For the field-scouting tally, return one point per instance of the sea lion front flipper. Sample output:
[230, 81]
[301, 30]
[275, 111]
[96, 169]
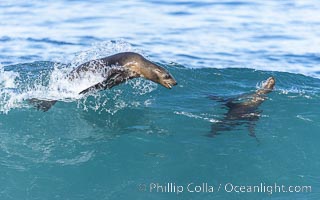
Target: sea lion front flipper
[220, 99]
[98, 86]
[228, 102]
[115, 78]
[231, 104]
[43, 105]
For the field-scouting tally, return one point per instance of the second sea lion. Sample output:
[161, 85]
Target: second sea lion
[243, 110]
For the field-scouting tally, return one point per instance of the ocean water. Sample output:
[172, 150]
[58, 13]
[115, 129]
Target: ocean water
[140, 140]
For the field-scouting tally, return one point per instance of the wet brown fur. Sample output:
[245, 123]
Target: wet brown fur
[124, 66]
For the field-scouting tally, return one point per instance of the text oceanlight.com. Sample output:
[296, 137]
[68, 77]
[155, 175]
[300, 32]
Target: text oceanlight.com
[226, 187]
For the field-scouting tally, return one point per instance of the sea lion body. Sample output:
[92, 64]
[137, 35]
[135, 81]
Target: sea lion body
[115, 69]
[121, 67]
[243, 112]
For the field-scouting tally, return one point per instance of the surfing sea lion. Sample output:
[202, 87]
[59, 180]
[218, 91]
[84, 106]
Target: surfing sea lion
[243, 110]
[116, 69]
[121, 67]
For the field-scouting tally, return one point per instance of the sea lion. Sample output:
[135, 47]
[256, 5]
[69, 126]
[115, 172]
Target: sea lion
[121, 67]
[243, 110]
[116, 69]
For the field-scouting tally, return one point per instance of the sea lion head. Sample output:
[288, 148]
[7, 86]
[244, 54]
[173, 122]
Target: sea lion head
[267, 86]
[142, 67]
[160, 75]
[269, 83]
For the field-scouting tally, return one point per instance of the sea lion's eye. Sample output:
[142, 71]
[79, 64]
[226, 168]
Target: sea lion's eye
[167, 76]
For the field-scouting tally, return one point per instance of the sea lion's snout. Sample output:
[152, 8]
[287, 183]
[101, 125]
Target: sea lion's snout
[165, 78]
[168, 81]
[269, 84]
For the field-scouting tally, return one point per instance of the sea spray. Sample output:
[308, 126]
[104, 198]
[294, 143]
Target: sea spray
[50, 81]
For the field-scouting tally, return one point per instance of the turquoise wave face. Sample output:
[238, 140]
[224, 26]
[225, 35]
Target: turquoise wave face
[140, 133]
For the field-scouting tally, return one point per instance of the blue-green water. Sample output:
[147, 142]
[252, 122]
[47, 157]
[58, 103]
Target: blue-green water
[116, 144]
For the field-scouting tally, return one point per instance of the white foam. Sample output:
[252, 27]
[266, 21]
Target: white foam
[196, 116]
[295, 92]
[8, 99]
[60, 87]
[304, 118]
